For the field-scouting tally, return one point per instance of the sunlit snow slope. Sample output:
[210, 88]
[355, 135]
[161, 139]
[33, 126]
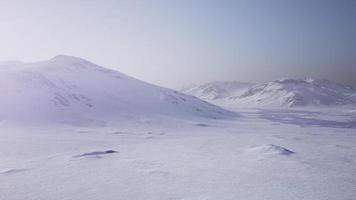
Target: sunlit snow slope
[72, 89]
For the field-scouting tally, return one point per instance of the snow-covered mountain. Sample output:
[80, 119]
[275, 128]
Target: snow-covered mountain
[72, 89]
[296, 93]
[278, 93]
[216, 90]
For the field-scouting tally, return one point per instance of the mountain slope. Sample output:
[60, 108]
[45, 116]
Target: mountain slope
[69, 88]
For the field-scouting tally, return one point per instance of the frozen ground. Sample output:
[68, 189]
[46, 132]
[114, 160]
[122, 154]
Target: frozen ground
[262, 154]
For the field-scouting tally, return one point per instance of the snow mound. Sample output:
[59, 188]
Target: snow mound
[216, 90]
[297, 93]
[270, 149]
[73, 90]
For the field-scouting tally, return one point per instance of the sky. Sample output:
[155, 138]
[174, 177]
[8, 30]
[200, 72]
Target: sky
[174, 43]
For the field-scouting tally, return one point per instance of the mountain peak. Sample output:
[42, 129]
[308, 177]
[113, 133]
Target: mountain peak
[73, 63]
[62, 57]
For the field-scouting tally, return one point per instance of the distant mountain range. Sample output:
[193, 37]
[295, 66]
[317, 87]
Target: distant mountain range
[278, 93]
[216, 90]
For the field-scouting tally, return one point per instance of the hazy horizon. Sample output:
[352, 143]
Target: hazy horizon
[177, 43]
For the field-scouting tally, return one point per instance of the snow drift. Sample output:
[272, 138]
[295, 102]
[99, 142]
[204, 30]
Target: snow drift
[69, 88]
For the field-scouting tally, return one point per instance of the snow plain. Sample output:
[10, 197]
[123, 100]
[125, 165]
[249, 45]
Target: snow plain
[257, 153]
[262, 154]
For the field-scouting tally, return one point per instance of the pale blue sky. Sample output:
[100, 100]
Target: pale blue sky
[175, 43]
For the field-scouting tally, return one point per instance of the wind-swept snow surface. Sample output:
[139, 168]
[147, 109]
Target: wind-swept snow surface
[265, 154]
[73, 90]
